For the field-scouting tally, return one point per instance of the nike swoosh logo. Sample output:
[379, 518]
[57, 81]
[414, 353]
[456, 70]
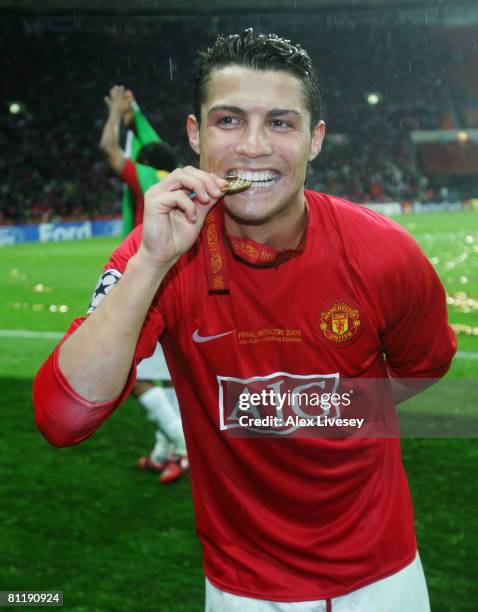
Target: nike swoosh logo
[199, 338]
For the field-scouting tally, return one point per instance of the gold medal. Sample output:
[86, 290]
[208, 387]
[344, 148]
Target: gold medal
[235, 185]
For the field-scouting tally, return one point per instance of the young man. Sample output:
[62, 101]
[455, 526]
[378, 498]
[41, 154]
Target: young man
[270, 290]
[149, 161]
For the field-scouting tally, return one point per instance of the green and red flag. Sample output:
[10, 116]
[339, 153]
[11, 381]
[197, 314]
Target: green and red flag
[147, 176]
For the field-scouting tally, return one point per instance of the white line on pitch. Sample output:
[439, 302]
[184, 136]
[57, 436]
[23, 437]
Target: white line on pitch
[25, 333]
[466, 355]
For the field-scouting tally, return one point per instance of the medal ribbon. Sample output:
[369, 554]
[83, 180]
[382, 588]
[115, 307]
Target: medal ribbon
[252, 253]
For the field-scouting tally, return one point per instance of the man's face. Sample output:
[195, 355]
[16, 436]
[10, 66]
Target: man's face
[255, 125]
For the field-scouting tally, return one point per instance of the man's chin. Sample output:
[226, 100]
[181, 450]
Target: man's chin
[246, 215]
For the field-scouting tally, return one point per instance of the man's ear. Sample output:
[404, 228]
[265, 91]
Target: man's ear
[192, 127]
[318, 136]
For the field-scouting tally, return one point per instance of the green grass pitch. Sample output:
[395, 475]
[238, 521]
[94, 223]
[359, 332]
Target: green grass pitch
[85, 521]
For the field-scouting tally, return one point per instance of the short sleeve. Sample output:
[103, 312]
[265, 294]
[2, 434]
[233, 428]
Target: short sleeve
[154, 323]
[62, 415]
[416, 337]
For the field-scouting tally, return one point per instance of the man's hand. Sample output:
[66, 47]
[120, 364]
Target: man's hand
[172, 219]
[119, 102]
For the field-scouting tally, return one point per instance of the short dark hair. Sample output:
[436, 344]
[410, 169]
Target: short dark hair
[259, 52]
[159, 155]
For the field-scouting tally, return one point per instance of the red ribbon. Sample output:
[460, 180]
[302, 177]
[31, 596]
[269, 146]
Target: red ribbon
[215, 240]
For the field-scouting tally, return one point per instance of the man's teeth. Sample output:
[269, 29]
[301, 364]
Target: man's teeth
[256, 177]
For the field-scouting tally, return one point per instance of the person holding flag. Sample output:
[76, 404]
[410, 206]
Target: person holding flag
[146, 161]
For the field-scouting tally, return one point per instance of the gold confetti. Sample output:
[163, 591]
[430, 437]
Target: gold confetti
[466, 330]
[462, 301]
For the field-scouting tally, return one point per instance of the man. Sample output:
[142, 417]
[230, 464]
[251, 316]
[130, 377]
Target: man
[270, 289]
[150, 161]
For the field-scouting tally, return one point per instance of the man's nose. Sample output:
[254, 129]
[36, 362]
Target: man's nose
[254, 142]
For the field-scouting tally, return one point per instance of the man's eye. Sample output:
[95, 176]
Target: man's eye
[227, 121]
[281, 124]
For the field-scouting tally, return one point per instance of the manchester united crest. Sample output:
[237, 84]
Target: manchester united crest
[340, 323]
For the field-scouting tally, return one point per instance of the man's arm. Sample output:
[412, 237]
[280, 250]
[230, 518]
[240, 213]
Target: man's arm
[402, 391]
[118, 105]
[82, 382]
[417, 340]
[96, 359]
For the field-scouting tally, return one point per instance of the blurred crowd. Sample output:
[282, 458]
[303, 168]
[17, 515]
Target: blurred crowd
[59, 72]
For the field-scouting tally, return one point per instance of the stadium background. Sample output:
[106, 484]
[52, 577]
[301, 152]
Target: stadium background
[83, 520]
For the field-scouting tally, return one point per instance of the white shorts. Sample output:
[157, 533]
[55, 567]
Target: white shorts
[154, 368]
[404, 591]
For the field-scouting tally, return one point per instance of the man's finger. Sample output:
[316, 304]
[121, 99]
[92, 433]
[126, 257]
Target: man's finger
[212, 182]
[199, 183]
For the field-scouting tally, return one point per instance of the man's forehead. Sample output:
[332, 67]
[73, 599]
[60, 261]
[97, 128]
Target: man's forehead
[254, 90]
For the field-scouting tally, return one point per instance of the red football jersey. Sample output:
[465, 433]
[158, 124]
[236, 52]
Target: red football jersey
[286, 518]
[129, 175]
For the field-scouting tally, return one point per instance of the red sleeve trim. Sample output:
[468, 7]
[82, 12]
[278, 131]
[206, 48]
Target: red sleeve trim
[62, 415]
